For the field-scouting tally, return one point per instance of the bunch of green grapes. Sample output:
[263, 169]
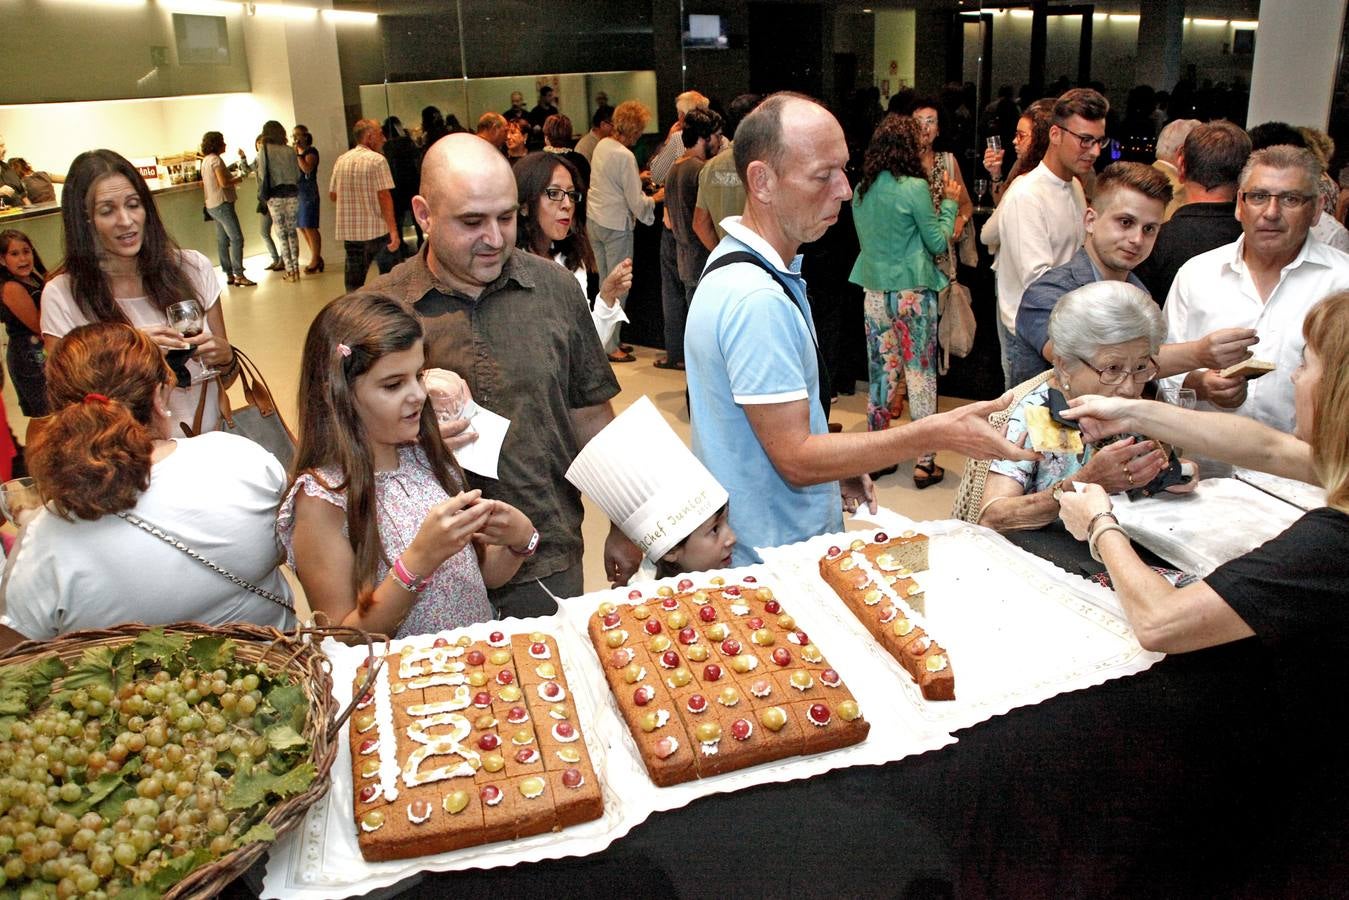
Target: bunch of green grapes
[104, 791]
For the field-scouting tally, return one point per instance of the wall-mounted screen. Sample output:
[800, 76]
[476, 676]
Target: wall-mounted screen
[202, 40]
[706, 31]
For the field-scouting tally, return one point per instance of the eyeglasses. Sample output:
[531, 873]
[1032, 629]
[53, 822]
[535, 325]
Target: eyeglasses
[1289, 200]
[1113, 375]
[1087, 141]
[556, 194]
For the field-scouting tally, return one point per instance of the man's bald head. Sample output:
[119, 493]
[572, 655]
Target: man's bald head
[766, 134]
[463, 157]
[467, 208]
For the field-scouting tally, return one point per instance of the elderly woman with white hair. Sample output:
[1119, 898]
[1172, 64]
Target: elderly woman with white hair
[1105, 336]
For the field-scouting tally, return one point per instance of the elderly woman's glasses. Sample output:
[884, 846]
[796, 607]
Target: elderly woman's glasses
[1113, 375]
[556, 194]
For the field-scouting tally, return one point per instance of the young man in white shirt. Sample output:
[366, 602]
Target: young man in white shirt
[1040, 218]
[1267, 279]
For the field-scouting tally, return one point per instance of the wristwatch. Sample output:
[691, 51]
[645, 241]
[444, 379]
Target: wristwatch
[530, 548]
[1057, 492]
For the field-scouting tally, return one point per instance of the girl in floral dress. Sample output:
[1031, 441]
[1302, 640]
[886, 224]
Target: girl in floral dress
[376, 523]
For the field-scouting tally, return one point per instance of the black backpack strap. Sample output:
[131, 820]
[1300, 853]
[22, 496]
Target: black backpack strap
[822, 367]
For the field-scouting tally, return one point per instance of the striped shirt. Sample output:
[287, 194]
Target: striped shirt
[358, 177]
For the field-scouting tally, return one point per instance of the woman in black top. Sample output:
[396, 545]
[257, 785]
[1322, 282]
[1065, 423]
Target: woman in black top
[21, 277]
[1283, 608]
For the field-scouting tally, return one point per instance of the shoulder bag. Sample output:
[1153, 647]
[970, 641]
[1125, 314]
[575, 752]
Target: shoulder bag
[955, 319]
[258, 419]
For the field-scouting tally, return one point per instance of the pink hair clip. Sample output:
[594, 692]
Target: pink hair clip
[344, 349]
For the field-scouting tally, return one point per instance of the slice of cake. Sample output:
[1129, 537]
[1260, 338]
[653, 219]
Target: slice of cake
[873, 579]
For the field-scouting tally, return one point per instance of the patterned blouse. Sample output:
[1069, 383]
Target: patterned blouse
[1037, 476]
[455, 595]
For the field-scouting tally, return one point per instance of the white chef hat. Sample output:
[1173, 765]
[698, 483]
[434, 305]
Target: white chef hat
[645, 479]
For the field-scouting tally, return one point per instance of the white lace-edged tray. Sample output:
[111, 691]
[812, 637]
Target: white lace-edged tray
[1018, 629]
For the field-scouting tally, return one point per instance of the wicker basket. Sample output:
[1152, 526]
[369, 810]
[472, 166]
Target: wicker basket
[296, 653]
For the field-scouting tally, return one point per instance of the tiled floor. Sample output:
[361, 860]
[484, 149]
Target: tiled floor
[270, 321]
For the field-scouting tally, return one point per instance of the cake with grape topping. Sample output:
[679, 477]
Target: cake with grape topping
[718, 679]
[873, 578]
[463, 743]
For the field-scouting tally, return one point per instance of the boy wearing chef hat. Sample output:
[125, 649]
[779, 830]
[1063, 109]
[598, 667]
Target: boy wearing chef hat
[650, 484]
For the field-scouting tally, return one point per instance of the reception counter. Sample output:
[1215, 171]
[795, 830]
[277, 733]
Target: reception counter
[180, 207]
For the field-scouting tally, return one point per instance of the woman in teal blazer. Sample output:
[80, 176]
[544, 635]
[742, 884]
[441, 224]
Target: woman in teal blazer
[899, 231]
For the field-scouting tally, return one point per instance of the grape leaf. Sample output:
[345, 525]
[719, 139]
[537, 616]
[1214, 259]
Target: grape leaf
[111, 807]
[288, 700]
[259, 832]
[108, 666]
[167, 875]
[254, 786]
[154, 646]
[102, 788]
[211, 653]
[283, 737]
[24, 687]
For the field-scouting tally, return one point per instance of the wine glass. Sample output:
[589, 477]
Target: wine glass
[20, 500]
[187, 318]
[981, 189]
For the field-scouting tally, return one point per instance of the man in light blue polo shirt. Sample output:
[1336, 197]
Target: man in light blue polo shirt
[754, 387]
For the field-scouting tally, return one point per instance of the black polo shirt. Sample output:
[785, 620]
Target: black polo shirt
[1193, 229]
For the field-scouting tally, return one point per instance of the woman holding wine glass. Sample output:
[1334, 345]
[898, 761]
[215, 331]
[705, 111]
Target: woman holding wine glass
[121, 266]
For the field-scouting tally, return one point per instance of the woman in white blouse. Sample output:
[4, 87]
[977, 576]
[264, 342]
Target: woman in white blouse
[122, 266]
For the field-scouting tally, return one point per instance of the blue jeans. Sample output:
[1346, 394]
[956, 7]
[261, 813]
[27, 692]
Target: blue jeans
[611, 247]
[229, 238]
[674, 297]
[265, 219]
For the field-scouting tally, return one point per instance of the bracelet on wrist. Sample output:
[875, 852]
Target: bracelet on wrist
[1094, 540]
[1091, 525]
[406, 580]
[530, 548]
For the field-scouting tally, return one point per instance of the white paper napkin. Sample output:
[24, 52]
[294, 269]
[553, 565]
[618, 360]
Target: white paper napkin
[481, 456]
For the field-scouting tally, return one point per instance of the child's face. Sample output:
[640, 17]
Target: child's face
[708, 547]
[19, 259]
[389, 397]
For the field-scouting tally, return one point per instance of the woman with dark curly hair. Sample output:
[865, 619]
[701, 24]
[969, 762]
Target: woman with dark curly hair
[900, 233]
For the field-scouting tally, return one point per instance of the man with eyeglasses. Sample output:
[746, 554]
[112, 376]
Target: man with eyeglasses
[1040, 218]
[1267, 279]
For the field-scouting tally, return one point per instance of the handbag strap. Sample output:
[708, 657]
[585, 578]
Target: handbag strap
[226, 573]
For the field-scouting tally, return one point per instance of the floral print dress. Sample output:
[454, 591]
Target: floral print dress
[455, 595]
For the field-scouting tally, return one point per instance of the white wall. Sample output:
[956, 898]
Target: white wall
[894, 44]
[1296, 56]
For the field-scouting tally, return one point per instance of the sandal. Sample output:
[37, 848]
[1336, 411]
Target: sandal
[626, 348]
[619, 356]
[881, 473]
[933, 474]
[666, 364]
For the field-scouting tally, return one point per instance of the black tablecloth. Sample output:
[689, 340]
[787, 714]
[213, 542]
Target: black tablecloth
[1175, 782]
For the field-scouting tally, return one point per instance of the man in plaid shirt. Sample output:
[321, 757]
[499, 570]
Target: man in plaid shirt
[361, 187]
